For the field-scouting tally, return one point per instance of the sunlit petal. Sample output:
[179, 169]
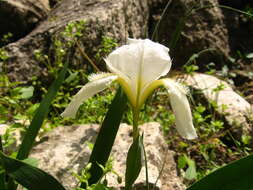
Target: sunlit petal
[156, 61]
[124, 61]
[181, 109]
[99, 82]
[148, 90]
[139, 63]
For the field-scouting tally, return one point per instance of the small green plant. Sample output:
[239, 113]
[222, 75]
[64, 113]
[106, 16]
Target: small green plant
[76, 76]
[191, 65]
[8, 138]
[16, 107]
[190, 68]
[183, 162]
[107, 45]
[102, 182]
[249, 10]
[3, 55]
[6, 38]
[217, 144]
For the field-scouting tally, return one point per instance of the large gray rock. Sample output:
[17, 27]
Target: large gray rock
[117, 19]
[65, 150]
[203, 29]
[206, 28]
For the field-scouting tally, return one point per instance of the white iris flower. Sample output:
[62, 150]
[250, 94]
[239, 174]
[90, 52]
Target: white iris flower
[137, 67]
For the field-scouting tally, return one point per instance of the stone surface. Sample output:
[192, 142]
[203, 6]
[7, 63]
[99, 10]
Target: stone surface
[241, 28]
[213, 27]
[203, 29]
[65, 150]
[19, 17]
[116, 19]
[237, 108]
[206, 28]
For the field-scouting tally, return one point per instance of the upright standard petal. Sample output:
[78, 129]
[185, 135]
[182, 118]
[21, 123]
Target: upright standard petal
[99, 82]
[156, 61]
[181, 109]
[139, 63]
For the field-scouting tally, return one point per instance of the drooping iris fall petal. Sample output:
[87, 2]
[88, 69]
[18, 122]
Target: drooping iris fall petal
[181, 109]
[99, 83]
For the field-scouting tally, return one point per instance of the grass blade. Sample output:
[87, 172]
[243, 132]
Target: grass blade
[155, 32]
[28, 176]
[106, 136]
[40, 115]
[177, 33]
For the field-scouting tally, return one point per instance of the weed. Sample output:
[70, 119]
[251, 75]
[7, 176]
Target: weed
[6, 38]
[102, 183]
[107, 45]
[190, 68]
[249, 10]
[190, 172]
[216, 145]
[3, 55]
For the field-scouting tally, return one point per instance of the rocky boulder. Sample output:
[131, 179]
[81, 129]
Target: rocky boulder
[200, 30]
[115, 19]
[64, 150]
[208, 28]
[230, 104]
[19, 17]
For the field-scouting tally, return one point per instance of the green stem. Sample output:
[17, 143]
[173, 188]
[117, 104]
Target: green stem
[136, 113]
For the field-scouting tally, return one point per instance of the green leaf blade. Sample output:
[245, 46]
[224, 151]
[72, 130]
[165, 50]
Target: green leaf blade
[235, 176]
[28, 176]
[106, 136]
[40, 115]
[134, 162]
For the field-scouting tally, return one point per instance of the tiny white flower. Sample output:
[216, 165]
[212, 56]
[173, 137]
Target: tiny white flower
[137, 67]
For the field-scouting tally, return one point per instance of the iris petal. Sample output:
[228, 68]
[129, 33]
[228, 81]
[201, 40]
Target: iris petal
[139, 63]
[181, 109]
[99, 83]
